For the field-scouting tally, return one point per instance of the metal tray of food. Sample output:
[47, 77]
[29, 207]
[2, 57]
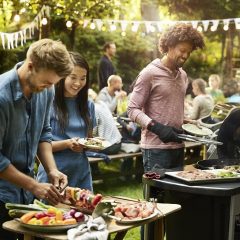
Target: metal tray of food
[205, 176]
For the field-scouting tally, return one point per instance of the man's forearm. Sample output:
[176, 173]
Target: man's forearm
[45, 155]
[14, 176]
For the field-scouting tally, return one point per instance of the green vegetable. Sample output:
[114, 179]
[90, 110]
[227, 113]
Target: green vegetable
[17, 213]
[228, 174]
[22, 207]
[41, 204]
[45, 206]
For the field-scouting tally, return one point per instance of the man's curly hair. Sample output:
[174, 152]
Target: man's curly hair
[180, 32]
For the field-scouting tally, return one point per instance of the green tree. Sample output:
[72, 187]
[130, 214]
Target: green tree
[216, 9]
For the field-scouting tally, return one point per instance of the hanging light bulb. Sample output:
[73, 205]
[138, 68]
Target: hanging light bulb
[113, 27]
[152, 29]
[134, 27]
[225, 27]
[104, 28]
[214, 25]
[69, 24]
[44, 21]
[123, 34]
[199, 28]
[92, 25]
[23, 10]
[16, 18]
[226, 24]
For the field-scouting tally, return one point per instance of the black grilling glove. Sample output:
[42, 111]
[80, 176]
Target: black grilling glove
[165, 133]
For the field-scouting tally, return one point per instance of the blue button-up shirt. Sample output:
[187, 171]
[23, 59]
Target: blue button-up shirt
[23, 124]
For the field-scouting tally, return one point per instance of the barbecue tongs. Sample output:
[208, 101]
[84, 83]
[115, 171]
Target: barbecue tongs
[198, 139]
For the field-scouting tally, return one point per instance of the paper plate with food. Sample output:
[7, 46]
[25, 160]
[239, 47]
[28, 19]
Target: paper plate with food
[197, 130]
[94, 143]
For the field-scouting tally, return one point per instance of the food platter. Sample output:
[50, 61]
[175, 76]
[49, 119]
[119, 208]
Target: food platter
[221, 175]
[48, 228]
[194, 129]
[94, 143]
[136, 220]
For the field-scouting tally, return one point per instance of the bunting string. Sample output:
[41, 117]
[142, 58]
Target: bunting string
[159, 26]
[14, 39]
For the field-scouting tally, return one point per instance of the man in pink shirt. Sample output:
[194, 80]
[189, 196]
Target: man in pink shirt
[157, 100]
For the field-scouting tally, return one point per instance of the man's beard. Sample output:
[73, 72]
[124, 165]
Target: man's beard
[31, 86]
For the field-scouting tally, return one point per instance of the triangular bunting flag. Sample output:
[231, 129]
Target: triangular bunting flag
[3, 40]
[194, 24]
[99, 24]
[205, 24]
[123, 25]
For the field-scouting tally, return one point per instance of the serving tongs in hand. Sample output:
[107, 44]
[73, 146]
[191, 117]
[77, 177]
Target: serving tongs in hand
[198, 139]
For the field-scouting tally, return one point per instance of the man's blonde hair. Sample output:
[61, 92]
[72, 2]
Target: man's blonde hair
[51, 55]
[215, 77]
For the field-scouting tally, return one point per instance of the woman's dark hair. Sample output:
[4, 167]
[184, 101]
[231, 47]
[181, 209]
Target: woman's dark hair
[81, 99]
[180, 32]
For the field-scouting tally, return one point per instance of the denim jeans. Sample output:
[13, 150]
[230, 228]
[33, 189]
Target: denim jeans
[169, 159]
[172, 159]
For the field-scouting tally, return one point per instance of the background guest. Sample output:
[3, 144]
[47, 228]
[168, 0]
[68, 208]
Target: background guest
[202, 104]
[214, 90]
[106, 67]
[112, 93]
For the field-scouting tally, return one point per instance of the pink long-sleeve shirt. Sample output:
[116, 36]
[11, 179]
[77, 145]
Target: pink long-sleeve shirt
[158, 95]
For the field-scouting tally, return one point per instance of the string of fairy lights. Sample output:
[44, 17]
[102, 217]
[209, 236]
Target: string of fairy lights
[13, 39]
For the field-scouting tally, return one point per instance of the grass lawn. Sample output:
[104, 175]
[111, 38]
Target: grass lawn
[112, 185]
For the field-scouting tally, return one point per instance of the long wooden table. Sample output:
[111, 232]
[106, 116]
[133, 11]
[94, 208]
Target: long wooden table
[113, 227]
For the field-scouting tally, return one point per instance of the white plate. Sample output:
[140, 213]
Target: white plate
[194, 129]
[131, 221]
[87, 143]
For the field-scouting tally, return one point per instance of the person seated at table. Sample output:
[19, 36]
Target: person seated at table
[202, 104]
[106, 128]
[214, 90]
[112, 93]
[72, 117]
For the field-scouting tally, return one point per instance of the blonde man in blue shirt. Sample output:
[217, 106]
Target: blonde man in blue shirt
[26, 94]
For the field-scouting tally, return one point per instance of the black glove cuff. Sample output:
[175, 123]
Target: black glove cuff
[151, 125]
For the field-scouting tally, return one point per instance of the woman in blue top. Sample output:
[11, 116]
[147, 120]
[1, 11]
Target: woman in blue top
[73, 117]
